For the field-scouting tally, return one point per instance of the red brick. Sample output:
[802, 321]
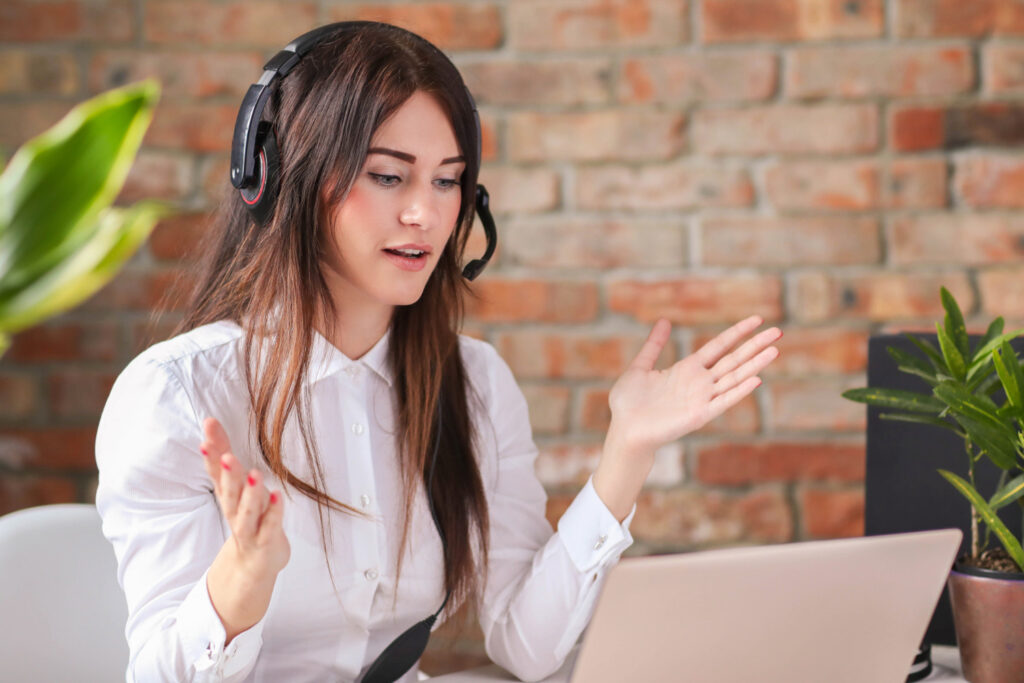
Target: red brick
[596, 415]
[516, 190]
[881, 296]
[785, 20]
[568, 464]
[901, 71]
[181, 74]
[68, 448]
[227, 24]
[787, 129]
[64, 20]
[813, 351]
[78, 392]
[606, 135]
[65, 341]
[831, 513]
[549, 407]
[24, 72]
[765, 241]
[138, 290]
[508, 300]
[916, 128]
[814, 404]
[679, 518]
[586, 24]
[1003, 68]
[699, 299]
[157, 175]
[934, 18]
[179, 236]
[990, 180]
[519, 82]
[491, 141]
[742, 418]
[1002, 292]
[663, 186]
[569, 242]
[836, 185]
[158, 328]
[704, 77]
[18, 492]
[450, 26]
[20, 121]
[735, 464]
[573, 355]
[954, 239]
[916, 184]
[198, 127]
[19, 395]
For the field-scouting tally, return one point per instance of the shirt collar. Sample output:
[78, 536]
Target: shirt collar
[326, 359]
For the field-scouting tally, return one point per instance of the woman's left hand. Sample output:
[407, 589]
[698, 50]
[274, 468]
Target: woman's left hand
[651, 407]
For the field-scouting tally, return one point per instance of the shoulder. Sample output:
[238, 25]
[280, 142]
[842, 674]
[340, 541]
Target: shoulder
[212, 350]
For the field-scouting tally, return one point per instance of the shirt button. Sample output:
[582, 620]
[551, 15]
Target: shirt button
[357, 429]
[365, 500]
[600, 542]
[352, 371]
[370, 574]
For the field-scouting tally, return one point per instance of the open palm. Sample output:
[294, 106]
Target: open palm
[655, 407]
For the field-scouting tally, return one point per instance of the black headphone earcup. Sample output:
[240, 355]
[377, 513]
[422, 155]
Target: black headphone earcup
[260, 197]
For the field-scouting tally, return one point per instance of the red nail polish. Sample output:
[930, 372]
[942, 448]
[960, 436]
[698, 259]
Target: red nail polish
[273, 497]
[225, 465]
[251, 479]
[204, 451]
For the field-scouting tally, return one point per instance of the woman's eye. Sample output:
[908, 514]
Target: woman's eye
[446, 183]
[384, 179]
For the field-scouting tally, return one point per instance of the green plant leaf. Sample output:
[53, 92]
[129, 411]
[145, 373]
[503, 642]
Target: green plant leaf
[931, 353]
[995, 328]
[913, 365]
[954, 359]
[57, 183]
[895, 398]
[1010, 374]
[984, 353]
[955, 327]
[1009, 541]
[118, 234]
[979, 416]
[921, 418]
[1013, 490]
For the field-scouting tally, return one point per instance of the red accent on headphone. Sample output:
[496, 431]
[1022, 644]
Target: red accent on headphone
[263, 179]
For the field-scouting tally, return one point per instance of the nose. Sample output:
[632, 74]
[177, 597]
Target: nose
[419, 209]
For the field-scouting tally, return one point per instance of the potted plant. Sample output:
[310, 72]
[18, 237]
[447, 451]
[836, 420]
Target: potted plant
[60, 238]
[978, 393]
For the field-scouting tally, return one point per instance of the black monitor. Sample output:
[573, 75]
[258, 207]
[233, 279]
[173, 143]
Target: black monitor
[903, 490]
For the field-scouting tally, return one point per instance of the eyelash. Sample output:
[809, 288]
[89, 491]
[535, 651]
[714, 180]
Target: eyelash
[386, 180]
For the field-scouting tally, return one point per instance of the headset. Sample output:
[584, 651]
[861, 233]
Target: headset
[255, 173]
[255, 162]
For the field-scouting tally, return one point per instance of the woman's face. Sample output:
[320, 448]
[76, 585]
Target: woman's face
[388, 234]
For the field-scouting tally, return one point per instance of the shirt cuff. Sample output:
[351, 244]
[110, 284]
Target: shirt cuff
[204, 635]
[590, 533]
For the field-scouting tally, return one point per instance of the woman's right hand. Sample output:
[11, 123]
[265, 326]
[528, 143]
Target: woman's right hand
[241, 578]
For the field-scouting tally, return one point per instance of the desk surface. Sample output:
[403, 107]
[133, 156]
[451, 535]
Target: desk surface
[945, 660]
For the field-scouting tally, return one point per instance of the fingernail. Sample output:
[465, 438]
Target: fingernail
[225, 465]
[273, 497]
[204, 451]
[251, 479]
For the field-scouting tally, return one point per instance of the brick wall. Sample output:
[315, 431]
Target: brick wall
[827, 164]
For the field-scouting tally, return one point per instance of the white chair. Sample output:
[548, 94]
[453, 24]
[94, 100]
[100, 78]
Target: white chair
[62, 612]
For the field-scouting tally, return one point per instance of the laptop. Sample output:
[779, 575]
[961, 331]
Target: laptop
[844, 611]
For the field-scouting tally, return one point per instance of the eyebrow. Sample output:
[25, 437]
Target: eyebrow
[405, 156]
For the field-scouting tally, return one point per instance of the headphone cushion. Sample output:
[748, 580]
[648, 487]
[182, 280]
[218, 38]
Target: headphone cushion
[261, 196]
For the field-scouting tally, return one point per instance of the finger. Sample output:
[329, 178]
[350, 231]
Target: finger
[709, 354]
[251, 504]
[270, 522]
[651, 349]
[212, 464]
[216, 437]
[752, 367]
[748, 350]
[230, 485]
[723, 402]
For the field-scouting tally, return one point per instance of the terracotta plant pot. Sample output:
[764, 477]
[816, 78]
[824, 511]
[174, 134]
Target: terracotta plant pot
[988, 612]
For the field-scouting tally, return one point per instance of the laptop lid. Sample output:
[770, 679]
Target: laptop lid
[844, 611]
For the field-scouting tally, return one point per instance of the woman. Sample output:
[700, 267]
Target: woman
[319, 369]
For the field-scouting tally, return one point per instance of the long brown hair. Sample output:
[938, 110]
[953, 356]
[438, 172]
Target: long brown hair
[270, 280]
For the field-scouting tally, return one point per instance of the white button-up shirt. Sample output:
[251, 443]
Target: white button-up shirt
[162, 518]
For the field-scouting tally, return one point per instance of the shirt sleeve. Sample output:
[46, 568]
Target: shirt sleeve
[159, 512]
[541, 585]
